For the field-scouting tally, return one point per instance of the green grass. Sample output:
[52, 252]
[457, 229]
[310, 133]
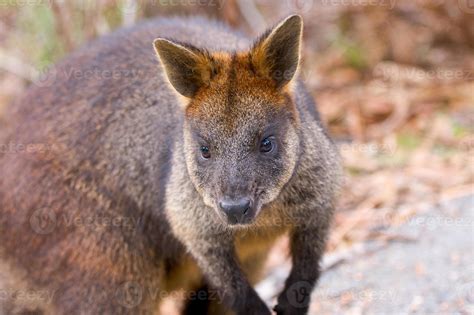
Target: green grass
[37, 36]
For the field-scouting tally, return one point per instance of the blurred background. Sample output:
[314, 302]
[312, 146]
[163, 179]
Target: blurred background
[394, 81]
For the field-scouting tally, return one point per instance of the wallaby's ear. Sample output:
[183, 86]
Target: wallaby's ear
[186, 67]
[277, 53]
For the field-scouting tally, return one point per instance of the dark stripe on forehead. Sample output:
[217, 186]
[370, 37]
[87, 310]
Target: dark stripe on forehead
[231, 80]
[250, 63]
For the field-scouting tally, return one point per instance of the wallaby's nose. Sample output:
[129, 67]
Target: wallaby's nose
[237, 210]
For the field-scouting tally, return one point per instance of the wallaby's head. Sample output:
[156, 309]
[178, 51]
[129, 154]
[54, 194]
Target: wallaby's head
[241, 128]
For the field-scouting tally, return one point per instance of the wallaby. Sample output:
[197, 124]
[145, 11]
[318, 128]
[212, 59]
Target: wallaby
[166, 156]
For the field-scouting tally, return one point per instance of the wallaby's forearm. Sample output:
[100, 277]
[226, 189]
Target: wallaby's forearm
[221, 269]
[307, 241]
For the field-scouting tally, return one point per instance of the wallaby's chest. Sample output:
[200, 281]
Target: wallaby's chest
[252, 247]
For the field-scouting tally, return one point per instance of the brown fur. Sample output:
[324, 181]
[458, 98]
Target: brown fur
[124, 148]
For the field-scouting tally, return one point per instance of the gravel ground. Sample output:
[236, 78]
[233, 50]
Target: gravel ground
[432, 274]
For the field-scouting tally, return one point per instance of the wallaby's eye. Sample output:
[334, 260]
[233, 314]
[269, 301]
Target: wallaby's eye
[205, 152]
[267, 145]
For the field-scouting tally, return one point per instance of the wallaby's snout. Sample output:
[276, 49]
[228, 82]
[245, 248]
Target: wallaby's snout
[236, 198]
[237, 210]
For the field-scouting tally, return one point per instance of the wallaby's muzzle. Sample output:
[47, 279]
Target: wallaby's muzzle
[237, 211]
